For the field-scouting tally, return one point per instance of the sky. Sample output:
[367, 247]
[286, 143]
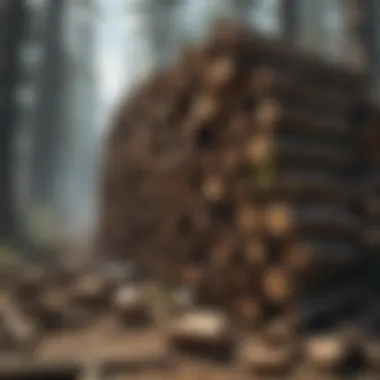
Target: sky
[109, 51]
[122, 54]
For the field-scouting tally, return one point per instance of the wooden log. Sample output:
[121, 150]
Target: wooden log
[213, 189]
[255, 252]
[201, 326]
[259, 356]
[23, 332]
[371, 351]
[37, 369]
[30, 282]
[228, 36]
[205, 108]
[274, 52]
[270, 115]
[280, 330]
[219, 72]
[192, 275]
[222, 251]
[278, 286]
[249, 311]
[263, 148]
[90, 288]
[52, 307]
[248, 218]
[313, 257]
[284, 219]
[329, 351]
[266, 81]
[294, 183]
[130, 305]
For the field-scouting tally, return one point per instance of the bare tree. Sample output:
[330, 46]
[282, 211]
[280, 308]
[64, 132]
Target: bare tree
[12, 25]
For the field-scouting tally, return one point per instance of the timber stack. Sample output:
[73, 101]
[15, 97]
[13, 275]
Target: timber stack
[232, 175]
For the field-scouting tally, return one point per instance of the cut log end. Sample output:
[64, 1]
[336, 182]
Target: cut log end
[279, 219]
[259, 150]
[325, 352]
[277, 285]
[267, 114]
[213, 189]
[202, 326]
[257, 355]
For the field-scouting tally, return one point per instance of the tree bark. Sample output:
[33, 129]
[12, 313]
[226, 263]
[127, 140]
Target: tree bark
[13, 27]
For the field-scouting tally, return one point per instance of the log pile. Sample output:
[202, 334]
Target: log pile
[40, 303]
[231, 174]
[42, 300]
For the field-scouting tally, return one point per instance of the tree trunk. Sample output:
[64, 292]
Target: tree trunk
[13, 26]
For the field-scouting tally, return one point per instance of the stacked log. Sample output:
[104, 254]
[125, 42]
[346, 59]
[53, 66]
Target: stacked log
[230, 174]
[40, 300]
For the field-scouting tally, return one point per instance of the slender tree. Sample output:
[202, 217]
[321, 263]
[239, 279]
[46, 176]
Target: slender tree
[12, 27]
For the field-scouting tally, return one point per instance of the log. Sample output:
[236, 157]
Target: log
[270, 116]
[248, 218]
[90, 288]
[328, 351]
[371, 351]
[264, 148]
[258, 356]
[23, 332]
[205, 108]
[213, 189]
[219, 72]
[52, 307]
[204, 326]
[249, 311]
[192, 275]
[222, 251]
[130, 305]
[280, 330]
[313, 257]
[311, 184]
[265, 81]
[284, 219]
[278, 286]
[255, 252]
[230, 37]
[30, 282]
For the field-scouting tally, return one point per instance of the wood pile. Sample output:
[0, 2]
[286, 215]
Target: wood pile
[236, 175]
[56, 309]
[42, 300]
[231, 174]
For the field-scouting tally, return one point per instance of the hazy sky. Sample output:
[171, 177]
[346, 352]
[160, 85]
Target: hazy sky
[109, 52]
